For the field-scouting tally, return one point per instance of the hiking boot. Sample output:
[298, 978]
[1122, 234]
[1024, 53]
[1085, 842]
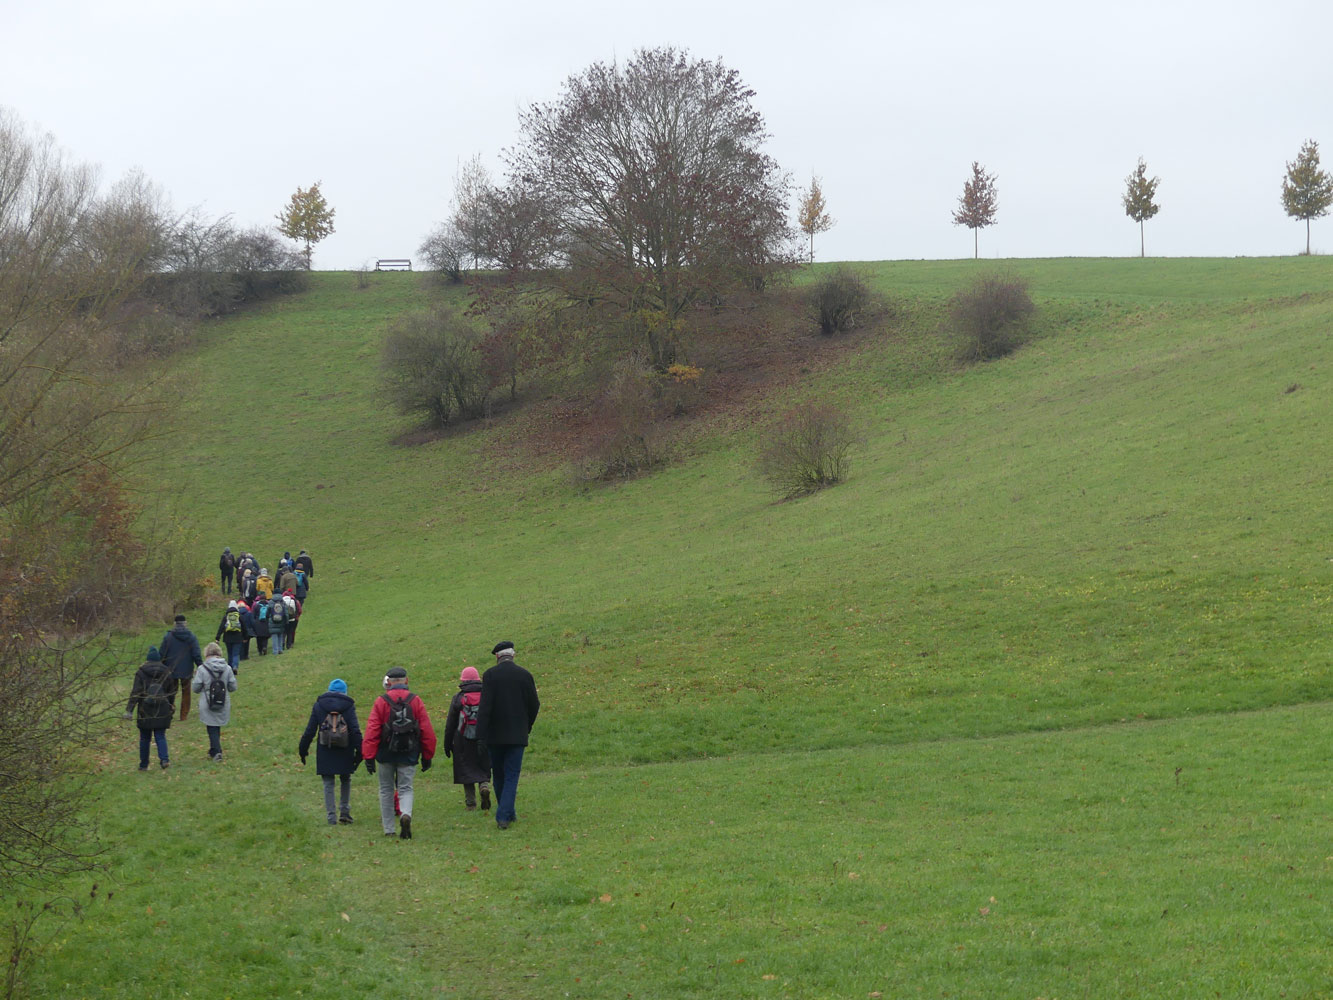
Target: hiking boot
[485, 798]
[143, 767]
[405, 825]
[333, 821]
[503, 824]
[165, 764]
[345, 819]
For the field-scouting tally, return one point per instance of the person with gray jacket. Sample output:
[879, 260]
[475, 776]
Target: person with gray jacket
[214, 682]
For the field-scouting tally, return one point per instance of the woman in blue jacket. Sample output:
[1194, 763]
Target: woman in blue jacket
[338, 750]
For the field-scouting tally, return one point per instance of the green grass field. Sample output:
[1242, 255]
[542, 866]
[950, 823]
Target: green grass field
[1032, 706]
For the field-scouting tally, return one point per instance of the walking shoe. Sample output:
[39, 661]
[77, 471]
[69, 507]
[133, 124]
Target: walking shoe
[165, 764]
[143, 767]
[485, 799]
[346, 819]
[405, 822]
[333, 821]
[503, 824]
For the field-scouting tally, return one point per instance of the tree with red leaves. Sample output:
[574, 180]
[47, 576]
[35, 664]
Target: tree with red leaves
[977, 204]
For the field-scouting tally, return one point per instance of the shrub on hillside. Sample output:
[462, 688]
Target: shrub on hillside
[807, 450]
[837, 300]
[432, 366]
[991, 318]
[626, 436]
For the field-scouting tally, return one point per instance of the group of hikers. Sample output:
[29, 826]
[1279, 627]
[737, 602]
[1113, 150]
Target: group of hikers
[486, 730]
[256, 613]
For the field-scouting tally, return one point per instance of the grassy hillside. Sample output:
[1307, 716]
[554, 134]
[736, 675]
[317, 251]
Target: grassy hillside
[890, 739]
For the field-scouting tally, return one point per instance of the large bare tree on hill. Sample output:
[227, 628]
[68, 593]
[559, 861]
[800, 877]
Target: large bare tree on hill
[659, 189]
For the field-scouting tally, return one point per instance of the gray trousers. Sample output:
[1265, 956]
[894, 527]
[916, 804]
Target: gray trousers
[346, 781]
[393, 776]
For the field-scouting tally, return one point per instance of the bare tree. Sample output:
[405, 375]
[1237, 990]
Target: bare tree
[1138, 198]
[655, 176]
[813, 217]
[977, 204]
[1307, 191]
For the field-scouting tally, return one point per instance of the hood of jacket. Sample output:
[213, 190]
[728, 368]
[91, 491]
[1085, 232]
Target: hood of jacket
[335, 701]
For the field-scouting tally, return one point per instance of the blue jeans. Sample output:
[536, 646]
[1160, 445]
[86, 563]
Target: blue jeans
[148, 736]
[506, 763]
[214, 739]
[233, 655]
[275, 640]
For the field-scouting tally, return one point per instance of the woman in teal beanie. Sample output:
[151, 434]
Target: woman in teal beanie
[333, 721]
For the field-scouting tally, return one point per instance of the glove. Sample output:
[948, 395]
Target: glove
[303, 760]
[448, 752]
[426, 762]
[370, 767]
[128, 715]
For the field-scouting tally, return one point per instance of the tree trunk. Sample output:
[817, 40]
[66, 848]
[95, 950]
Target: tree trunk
[1140, 237]
[812, 248]
[1307, 237]
[975, 244]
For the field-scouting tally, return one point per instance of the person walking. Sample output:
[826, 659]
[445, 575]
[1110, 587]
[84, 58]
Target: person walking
[333, 721]
[398, 733]
[277, 623]
[215, 681]
[227, 569]
[505, 716]
[154, 694]
[286, 580]
[259, 624]
[306, 565]
[180, 652]
[247, 629]
[264, 583]
[293, 616]
[231, 630]
[472, 764]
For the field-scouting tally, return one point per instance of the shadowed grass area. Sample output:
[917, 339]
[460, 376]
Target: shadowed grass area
[815, 738]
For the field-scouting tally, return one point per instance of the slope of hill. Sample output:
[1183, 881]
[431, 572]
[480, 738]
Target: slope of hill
[838, 696]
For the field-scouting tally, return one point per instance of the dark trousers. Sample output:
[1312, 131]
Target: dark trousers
[227, 574]
[263, 644]
[148, 737]
[214, 739]
[506, 763]
[290, 640]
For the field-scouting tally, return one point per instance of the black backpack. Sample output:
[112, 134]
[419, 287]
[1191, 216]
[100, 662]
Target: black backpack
[277, 612]
[333, 731]
[155, 705]
[217, 690]
[404, 733]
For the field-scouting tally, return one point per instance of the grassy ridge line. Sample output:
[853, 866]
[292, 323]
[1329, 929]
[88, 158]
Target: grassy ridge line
[1145, 859]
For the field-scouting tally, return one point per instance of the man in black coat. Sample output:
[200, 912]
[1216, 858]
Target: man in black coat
[180, 652]
[505, 716]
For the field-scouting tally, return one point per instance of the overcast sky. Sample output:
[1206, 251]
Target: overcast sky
[230, 107]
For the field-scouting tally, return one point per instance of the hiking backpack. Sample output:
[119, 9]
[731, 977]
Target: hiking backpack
[333, 731]
[402, 727]
[233, 622]
[467, 720]
[277, 612]
[217, 690]
[155, 704]
[263, 611]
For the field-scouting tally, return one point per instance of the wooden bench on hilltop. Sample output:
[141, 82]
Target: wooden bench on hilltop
[393, 264]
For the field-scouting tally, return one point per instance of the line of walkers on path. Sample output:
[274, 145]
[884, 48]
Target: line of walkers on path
[251, 579]
[486, 733]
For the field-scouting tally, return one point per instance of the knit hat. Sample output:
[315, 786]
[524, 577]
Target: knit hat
[153, 654]
[231, 605]
[469, 674]
[501, 647]
[180, 619]
[339, 685]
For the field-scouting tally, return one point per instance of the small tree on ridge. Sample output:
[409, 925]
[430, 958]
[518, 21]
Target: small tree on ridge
[1307, 191]
[1138, 197]
[977, 204]
[813, 218]
[306, 219]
